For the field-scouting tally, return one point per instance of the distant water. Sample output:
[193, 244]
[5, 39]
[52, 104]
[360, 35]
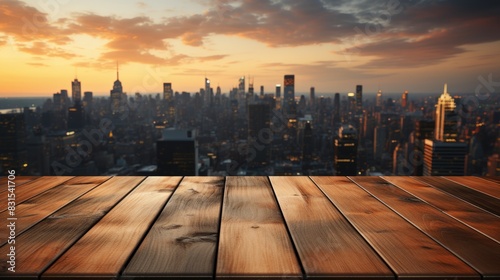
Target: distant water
[18, 103]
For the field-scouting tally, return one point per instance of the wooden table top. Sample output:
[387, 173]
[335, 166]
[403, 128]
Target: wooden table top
[251, 227]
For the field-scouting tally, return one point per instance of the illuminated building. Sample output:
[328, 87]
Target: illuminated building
[278, 91]
[168, 93]
[13, 148]
[289, 96]
[444, 158]
[359, 99]
[378, 100]
[76, 91]
[404, 99]
[346, 151]
[446, 128]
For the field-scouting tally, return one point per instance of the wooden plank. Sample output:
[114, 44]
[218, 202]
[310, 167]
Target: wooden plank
[19, 181]
[109, 251]
[328, 246]
[254, 242]
[42, 244]
[477, 250]
[41, 206]
[479, 199]
[409, 252]
[31, 189]
[479, 184]
[182, 241]
[463, 211]
[495, 179]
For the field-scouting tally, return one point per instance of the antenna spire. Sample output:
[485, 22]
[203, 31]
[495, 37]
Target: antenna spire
[117, 72]
[445, 88]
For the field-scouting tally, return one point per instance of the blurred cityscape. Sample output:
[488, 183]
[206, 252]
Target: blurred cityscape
[253, 131]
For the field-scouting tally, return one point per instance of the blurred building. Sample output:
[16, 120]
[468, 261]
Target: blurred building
[444, 158]
[177, 153]
[346, 150]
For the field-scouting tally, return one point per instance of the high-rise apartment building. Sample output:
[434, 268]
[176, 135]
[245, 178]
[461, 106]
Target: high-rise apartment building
[177, 153]
[346, 151]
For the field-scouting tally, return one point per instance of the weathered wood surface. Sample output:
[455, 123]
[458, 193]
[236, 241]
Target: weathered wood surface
[183, 240]
[18, 181]
[461, 210]
[477, 198]
[111, 241]
[482, 185]
[326, 243]
[408, 251]
[31, 189]
[254, 227]
[41, 206]
[42, 244]
[253, 237]
[479, 251]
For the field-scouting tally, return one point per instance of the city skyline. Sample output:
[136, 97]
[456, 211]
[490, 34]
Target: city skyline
[329, 45]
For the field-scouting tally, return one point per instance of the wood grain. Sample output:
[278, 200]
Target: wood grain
[19, 181]
[325, 241]
[31, 189]
[479, 199]
[113, 239]
[479, 251]
[408, 251]
[467, 213]
[254, 242]
[182, 241]
[482, 185]
[495, 179]
[42, 244]
[41, 206]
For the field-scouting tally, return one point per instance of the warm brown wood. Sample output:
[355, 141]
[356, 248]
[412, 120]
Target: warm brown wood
[491, 178]
[408, 251]
[19, 181]
[482, 185]
[465, 212]
[31, 189]
[42, 244]
[326, 243]
[182, 241]
[113, 239]
[479, 199]
[254, 242]
[39, 207]
[479, 251]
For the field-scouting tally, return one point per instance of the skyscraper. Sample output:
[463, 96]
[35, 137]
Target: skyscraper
[116, 93]
[177, 153]
[208, 93]
[289, 95]
[76, 91]
[446, 118]
[336, 109]
[312, 97]
[359, 99]
[278, 91]
[444, 158]
[378, 101]
[261, 91]
[404, 99]
[168, 93]
[13, 148]
[346, 151]
[259, 133]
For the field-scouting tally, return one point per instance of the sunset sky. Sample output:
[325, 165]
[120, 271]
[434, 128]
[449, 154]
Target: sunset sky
[329, 44]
